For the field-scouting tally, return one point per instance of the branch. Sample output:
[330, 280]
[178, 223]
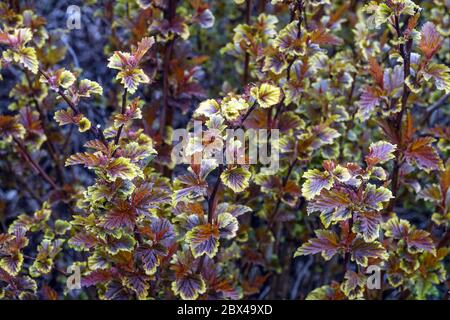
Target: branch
[405, 52]
[95, 130]
[248, 9]
[34, 164]
[50, 146]
[124, 109]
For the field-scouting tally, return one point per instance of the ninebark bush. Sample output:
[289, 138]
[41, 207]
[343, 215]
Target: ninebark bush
[359, 91]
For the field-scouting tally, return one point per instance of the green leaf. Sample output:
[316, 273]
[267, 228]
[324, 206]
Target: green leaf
[267, 95]
[62, 226]
[29, 59]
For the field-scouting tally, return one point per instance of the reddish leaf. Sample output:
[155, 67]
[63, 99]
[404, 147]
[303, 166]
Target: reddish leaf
[430, 40]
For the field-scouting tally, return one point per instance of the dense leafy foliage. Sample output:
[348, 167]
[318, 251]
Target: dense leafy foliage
[358, 91]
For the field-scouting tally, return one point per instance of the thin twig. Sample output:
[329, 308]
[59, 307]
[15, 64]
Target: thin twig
[34, 164]
[95, 130]
[124, 109]
[248, 9]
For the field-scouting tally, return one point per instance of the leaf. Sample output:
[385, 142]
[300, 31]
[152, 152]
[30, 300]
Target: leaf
[267, 95]
[207, 108]
[122, 168]
[189, 286]
[289, 120]
[133, 111]
[205, 19]
[96, 277]
[10, 127]
[12, 263]
[332, 205]
[29, 59]
[66, 78]
[322, 37]
[275, 62]
[354, 285]
[289, 41]
[231, 108]
[326, 243]
[66, 116]
[361, 251]
[396, 228]
[84, 124]
[420, 241]
[132, 78]
[89, 160]
[369, 99]
[88, 87]
[315, 182]
[376, 71]
[62, 226]
[228, 225]
[430, 40]
[121, 215]
[150, 256]
[374, 197]
[83, 241]
[326, 293]
[137, 151]
[367, 224]
[236, 178]
[139, 284]
[203, 239]
[380, 152]
[143, 46]
[440, 74]
[189, 186]
[125, 243]
[421, 152]
[147, 196]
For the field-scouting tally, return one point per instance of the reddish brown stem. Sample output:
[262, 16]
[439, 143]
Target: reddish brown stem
[50, 146]
[169, 14]
[123, 110]
[212, 198]
[248, 11]
[405, 52]
[96, 131]
[34, 164]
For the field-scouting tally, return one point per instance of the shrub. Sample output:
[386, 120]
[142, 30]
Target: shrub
[352, 97]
